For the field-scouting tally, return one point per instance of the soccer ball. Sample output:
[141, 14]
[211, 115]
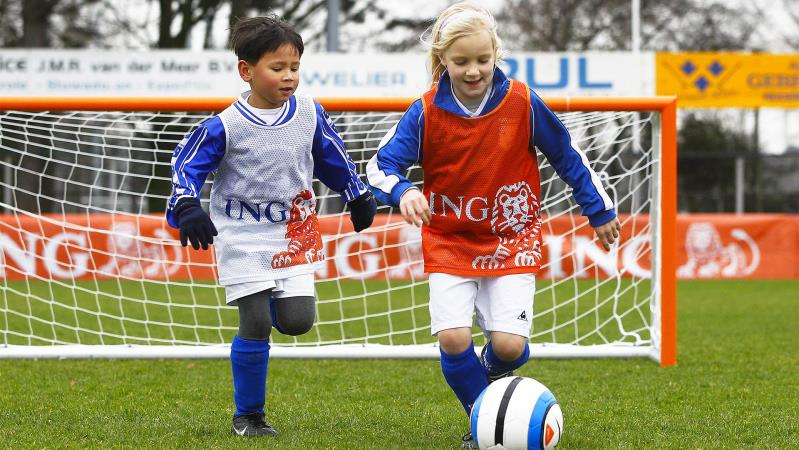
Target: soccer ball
[515, 413]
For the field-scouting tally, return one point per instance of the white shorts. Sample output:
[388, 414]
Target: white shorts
[296, 286]
[503, 303]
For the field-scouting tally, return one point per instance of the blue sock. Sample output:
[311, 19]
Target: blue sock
[495, 366]
[465, 375]
[248, 359]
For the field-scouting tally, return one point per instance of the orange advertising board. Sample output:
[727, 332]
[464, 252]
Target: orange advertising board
[91, 247]
[760, 246]
[701, 80]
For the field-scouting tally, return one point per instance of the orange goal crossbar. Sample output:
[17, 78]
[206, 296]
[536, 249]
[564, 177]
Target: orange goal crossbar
[665, 105]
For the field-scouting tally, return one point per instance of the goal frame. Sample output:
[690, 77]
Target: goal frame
[664, 251]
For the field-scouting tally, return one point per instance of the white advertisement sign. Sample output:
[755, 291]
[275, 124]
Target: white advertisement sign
[561, 74]
[178, 73]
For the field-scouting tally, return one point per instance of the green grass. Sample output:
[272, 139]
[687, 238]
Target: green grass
[736, 385]
[128, 312]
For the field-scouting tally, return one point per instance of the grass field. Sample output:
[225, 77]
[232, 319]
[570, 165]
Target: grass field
[736, 385]
[115, 312]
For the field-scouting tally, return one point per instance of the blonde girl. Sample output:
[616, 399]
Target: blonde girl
[475, 133]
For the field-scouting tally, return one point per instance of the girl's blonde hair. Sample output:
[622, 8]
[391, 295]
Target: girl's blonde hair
[461, 19]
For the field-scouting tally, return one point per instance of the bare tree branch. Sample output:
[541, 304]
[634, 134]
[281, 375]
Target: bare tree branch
[550, 25]
[36, 15]
[10, 24]
[208, 39]
[122, 24]
[791, 8]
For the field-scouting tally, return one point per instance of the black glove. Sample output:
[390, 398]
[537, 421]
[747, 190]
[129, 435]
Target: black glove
[362, 211]
[194, 223]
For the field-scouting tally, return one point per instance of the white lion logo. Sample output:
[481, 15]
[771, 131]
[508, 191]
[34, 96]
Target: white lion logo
[130, 255]
[709, 257]
[515, 202]
[517, 228]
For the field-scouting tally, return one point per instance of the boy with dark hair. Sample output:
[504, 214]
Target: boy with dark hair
[265, 149]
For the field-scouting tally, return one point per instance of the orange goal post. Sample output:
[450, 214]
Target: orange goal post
[89, 268]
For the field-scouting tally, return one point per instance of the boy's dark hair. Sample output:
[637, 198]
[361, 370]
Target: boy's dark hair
[253, 37]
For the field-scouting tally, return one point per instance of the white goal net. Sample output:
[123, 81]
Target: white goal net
[89, 268]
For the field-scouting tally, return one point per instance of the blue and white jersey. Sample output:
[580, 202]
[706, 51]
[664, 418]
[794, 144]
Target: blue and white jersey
[262, 200]
[402, 147]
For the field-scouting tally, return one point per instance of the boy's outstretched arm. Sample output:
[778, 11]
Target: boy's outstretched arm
[197, 155]
[334, 167]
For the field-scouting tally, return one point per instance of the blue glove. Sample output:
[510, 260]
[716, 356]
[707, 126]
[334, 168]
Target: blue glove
[194, 223]
[362, 211]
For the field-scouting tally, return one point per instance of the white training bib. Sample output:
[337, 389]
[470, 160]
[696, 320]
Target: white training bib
[262, 199]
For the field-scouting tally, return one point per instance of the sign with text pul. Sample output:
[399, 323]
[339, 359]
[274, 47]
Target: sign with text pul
[89, 247]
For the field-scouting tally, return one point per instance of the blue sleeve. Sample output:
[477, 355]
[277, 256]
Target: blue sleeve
[399, 150]
[332, 165]
[571, 164]
[197, 155]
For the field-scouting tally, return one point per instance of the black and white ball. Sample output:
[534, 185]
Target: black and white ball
[516, 413]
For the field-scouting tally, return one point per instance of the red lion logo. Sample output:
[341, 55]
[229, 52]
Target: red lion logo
[302, 230]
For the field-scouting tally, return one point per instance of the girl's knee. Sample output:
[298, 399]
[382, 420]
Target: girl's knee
[455, 340]
[508, 347]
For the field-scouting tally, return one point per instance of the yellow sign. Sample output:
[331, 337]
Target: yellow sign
[711, 80]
